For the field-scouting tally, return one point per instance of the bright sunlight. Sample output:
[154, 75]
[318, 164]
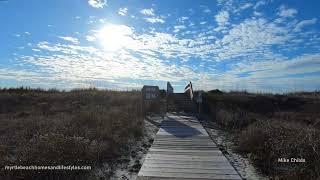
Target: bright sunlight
[115, 37]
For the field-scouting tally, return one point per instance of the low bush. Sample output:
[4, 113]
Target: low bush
[267, 141]
[81, 127]
[269, 127]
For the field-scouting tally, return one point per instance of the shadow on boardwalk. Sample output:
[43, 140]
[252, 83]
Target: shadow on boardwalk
[178, 128]
[183, 149]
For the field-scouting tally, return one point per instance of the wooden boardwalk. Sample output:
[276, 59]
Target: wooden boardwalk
[183, 149]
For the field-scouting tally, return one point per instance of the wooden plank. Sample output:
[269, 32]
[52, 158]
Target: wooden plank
[189, 147]
[185, 145]
[188, 170]
[148, 162]
[170, 136]
[217, 160]
[183, 149]
[204, 141]
[169, 178]
[181, 133]
[191, 175]
[213, 165]
[213, 153]
[181, 143]
[182, 156]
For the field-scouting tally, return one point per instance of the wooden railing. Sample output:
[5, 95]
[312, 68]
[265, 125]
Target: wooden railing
[188, 89]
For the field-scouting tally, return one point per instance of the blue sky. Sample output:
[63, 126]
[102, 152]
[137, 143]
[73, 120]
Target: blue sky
[260, 46]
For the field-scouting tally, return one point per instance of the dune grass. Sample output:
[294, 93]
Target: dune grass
[80, 127]
[269, 127]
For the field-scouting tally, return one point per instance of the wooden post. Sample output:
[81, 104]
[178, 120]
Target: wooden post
[199, 101]
[168, 94]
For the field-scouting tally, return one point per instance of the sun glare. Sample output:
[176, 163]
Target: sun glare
[115, 37]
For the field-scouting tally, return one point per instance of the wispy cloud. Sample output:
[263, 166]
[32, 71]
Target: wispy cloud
[229, 49]
[123, 11]
[222, 18]
[90, 38]
[182, 19]
[205, 9]
[148, 12]
[97, 3]
[259, 4]
[246, 6]
[75, 63]
[178, 28]
[242, 7]
[70, 39]
[287, 12]
[151, 16]
[304, 23]
[155, 20]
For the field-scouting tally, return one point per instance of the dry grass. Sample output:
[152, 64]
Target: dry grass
[81, 127]
[271, 127]
[267, 141]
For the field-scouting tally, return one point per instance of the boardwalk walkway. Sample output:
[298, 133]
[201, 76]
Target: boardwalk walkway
[183, 149]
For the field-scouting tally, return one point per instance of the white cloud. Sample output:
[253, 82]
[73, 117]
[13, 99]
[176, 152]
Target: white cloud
[90, 38]
[155, 20]
[148, 12]
[259, 3]
[274, 75]
[152, 17]
[74, 63]
[178, 28]
[222, 18]
[246, 47]
[18, 75]
[256, 13]
[70, 39]
[226, 3]
[183, 19]
[307, 63]
[123, 11]
[205, 9]
[287, 12]
[304, 23]
[97, 3]
[246, 6]
[251, 37]
[242, 7]
[36, 50]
